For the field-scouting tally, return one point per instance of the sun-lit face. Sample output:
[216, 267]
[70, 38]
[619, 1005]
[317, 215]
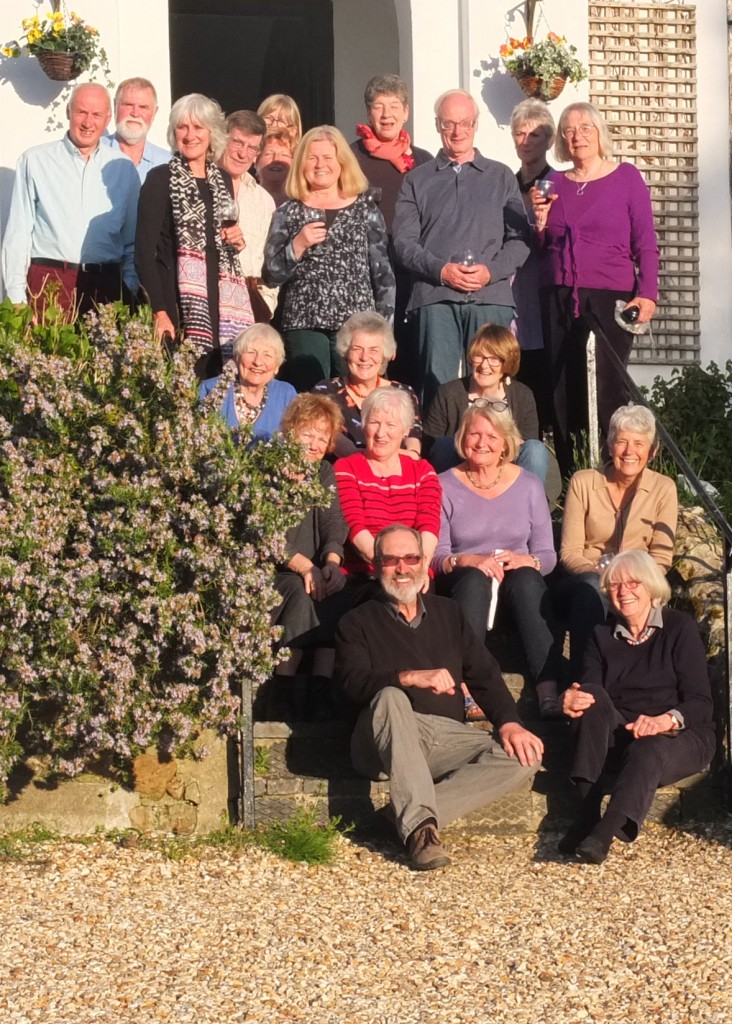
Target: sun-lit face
[483, 444]
[630, 453]
[321, 167]
[456, 123]
[241, 151]
[383, 433]
[402, 581]
[192, 140]
[89, 114]
[581, 136]
[258, 365]
[315, 439]
[531, 142]
[134, 113]
[365, 357]
[487, 372]
[629, 598]
[387, 116]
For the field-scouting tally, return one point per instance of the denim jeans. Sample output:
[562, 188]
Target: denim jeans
[579, 602]
[524, 592]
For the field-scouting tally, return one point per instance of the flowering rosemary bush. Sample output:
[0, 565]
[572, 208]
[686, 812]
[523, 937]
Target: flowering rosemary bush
[55, 34]
[137, 546]
[549, 58]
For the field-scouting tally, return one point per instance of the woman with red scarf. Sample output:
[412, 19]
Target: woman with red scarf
[385, 154]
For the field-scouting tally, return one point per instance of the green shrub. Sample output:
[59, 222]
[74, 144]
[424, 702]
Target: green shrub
[695, 406]
[137, 545]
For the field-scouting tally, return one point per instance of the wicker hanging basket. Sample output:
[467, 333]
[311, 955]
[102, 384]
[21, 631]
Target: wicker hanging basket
[61, 65]
[540, 88]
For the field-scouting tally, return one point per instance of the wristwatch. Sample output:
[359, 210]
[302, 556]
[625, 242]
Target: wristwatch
[677, 718]
[453, 562]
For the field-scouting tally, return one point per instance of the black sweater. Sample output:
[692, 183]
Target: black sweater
[372, 648]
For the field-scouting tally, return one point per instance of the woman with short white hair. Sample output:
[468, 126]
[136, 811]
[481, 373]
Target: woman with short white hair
[255, 402]
[383, 485]
[643, 707]
[185, 257]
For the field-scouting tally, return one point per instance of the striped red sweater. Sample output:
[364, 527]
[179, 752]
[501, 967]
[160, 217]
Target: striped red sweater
[371, 502]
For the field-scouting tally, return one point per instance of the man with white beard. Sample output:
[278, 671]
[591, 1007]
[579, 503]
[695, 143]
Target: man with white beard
[401, 657]
[135, 106]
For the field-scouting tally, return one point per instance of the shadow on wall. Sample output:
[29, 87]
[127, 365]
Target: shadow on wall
[499, 91]
[34, 88]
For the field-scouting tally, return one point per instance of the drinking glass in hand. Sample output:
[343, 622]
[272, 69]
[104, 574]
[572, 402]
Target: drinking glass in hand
[465, 259]
[228, 213]
[545, 188]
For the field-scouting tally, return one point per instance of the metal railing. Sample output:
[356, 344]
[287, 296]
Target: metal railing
[714, 513]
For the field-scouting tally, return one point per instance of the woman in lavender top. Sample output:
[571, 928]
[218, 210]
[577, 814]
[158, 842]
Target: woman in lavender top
[495, 531]
[597, 245]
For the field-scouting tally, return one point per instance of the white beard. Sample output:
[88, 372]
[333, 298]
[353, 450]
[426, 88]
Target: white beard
[131, 132]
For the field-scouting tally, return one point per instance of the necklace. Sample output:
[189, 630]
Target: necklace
[246, 413]
[583, 185]
[361, 390]
[485, 487]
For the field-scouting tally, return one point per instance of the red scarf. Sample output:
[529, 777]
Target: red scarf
[398, 152]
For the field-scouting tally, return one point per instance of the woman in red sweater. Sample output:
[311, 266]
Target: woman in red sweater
[382, 486]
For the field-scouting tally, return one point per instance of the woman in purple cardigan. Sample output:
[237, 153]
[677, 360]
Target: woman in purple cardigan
[597, 244]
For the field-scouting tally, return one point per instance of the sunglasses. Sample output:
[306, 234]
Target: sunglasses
[392, 561]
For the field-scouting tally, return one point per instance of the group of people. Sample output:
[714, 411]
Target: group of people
[377, 305]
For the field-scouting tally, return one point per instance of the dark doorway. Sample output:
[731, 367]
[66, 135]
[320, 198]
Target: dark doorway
[239, 51]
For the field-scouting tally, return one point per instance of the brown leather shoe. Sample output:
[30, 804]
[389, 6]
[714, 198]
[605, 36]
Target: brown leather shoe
[425, 849]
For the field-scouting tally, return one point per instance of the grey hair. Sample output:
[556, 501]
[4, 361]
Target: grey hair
[389, 398]
[533, 110]
[370, 322]
[395, 528]
[86, 85]
[503, 422]
[637, 418]
[561, 149]
[386, 85]
[448, 95]
[134, 83]
[259, 332]
[637, 565]
[203, 111]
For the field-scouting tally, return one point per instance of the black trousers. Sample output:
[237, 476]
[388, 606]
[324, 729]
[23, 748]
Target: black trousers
[635, 768]
[565, 337]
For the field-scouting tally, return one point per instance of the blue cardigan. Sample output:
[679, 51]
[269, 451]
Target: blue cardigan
[279, 396]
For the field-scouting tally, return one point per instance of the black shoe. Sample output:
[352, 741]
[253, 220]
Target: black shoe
[592, 850]
[573, 837]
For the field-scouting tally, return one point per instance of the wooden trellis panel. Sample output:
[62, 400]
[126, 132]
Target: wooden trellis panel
[643, 79]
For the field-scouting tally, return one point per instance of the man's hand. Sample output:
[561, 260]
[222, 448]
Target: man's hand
[575, 701]
[465, 279]
[438, 680]
[163, 325]
[519, 742]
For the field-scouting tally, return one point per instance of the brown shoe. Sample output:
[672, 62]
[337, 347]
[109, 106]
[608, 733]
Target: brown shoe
[425, 849]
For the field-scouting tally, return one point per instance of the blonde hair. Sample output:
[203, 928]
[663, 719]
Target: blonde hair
[351, 181]
[503, 422]
[604, 142]
[279, 101]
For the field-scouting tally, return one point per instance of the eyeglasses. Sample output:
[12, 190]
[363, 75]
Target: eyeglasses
[582, 129]
[489, 403]
[392, 561]
[272, 119]
[451, 126]
[628, 584]
[247, 147]
[493, 361]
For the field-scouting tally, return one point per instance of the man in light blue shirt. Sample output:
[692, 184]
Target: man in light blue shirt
[135, 107]
[73, 215]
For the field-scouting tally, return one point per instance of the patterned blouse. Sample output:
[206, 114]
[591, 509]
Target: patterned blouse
[352, 438]
[347, 273]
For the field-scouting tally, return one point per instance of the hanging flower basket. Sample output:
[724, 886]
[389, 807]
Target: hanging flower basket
[541, 88]
[61, 66]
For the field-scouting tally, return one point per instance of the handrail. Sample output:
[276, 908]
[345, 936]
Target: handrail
[696, 486]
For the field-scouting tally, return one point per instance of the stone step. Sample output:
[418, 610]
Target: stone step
[307, 766]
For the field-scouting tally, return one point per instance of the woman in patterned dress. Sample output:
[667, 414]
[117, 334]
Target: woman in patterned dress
[327, 251]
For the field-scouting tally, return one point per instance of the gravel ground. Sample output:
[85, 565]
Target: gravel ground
[510, 933]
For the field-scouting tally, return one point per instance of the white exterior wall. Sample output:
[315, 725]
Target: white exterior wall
[435, 45]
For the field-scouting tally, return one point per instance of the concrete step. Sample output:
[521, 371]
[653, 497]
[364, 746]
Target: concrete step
[307, 766]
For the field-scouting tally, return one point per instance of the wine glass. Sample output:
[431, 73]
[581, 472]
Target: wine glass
[311, 214]
[465, 259]
[228, 213]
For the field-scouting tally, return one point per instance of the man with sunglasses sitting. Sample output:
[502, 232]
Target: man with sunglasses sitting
[401, 657]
